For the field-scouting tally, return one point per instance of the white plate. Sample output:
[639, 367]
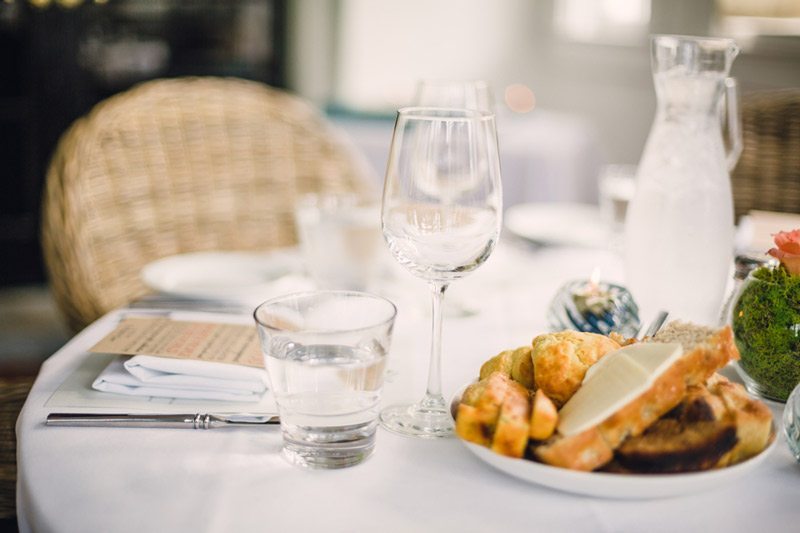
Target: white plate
[226, 275]
[564, 224]
[619, 486]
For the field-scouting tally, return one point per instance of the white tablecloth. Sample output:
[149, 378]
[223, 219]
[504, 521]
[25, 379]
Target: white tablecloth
[94, 479]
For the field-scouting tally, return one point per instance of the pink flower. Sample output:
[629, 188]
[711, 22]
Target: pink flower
[788, 250]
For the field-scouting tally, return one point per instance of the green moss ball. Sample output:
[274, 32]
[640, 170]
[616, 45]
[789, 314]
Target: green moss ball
[766, 326]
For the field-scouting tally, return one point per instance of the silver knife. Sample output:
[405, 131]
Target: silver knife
[654, 326]
[187, 421]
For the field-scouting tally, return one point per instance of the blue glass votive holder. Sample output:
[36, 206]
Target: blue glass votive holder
[594, 307]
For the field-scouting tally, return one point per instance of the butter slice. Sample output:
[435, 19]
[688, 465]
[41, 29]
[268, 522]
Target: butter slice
[614, 381]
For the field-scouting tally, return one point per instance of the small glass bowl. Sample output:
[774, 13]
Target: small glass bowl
[791, 422]
[594, 307]
[766, 327]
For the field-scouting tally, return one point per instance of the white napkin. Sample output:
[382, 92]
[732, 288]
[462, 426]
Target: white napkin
[146, 375]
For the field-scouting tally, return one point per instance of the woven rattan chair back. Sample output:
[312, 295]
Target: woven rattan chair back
[176, 166]
[767, 176]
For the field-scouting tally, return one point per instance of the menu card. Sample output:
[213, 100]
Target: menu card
[163, 337]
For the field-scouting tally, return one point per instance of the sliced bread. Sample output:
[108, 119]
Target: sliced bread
[705, 351]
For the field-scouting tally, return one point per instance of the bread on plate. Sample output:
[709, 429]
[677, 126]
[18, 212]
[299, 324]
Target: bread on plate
[559, 403]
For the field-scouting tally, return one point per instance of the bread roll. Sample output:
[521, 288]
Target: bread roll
[517, 364]
[495, 412]
[560, 361]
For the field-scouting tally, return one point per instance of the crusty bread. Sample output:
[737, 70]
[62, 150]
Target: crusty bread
[695, 435]
[495, 412]
[560, 361]
[753, 419]
[480, 408]
[621, 339]
[705, 351]
[544, 416]
[583, 451]
[674, 445]
[513, 425]
[684, 333]
[514, 363]
[716, 425]
[700, 405]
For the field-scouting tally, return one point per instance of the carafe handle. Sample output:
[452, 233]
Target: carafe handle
[734, 124]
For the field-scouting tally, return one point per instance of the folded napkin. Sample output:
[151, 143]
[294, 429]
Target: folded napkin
[146, 375]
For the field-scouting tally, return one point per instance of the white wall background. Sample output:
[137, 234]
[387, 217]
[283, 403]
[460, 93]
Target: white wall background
[384, 47]
[365, 55]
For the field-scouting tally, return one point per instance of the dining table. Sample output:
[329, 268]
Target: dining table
[235, 479]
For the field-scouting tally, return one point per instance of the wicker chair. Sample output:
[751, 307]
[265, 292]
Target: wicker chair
[180, 165]
[767, 176]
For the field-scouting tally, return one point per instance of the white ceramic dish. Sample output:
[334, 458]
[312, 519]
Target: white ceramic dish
[617, 486]
[563, 224]
[226, 275]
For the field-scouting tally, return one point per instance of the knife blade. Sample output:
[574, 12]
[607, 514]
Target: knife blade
[654, 326]
[185, 421]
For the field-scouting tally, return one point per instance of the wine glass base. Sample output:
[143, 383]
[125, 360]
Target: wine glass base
[416, 421]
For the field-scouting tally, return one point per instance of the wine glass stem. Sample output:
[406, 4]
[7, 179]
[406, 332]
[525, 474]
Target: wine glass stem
[433, 396]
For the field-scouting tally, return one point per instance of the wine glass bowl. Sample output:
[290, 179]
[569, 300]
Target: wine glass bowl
[436, 243]
[441, 217]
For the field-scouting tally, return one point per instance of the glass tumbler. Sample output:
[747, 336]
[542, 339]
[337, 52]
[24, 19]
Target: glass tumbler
[325, 354]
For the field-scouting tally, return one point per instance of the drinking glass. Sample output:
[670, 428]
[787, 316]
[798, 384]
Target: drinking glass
[451, 93]
[340, 238]
[325, 354]
[441, 217]
[473, 94]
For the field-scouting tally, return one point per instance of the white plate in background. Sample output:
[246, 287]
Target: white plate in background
[563, 224]
[227, 275]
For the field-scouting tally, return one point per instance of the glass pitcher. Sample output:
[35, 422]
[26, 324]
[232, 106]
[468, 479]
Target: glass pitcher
[679, 227]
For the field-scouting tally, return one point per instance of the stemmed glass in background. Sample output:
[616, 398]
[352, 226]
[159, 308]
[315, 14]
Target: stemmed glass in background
[472, 94]
[441, 217]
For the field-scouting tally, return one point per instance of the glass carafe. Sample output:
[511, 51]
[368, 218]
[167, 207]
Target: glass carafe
[679, 227]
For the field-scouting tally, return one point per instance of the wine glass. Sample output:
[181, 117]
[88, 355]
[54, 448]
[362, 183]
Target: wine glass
[469, 94]
[441, 217]
[472, 94]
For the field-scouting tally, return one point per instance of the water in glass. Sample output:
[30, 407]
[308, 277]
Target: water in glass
[328, 394]
[325, 354]
[436, 242]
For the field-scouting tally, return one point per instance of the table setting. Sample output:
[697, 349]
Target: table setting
[556, 386]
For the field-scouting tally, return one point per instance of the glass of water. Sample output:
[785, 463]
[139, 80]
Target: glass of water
[325, 354]
[617, 184]
[340, 239]
[441, 217]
